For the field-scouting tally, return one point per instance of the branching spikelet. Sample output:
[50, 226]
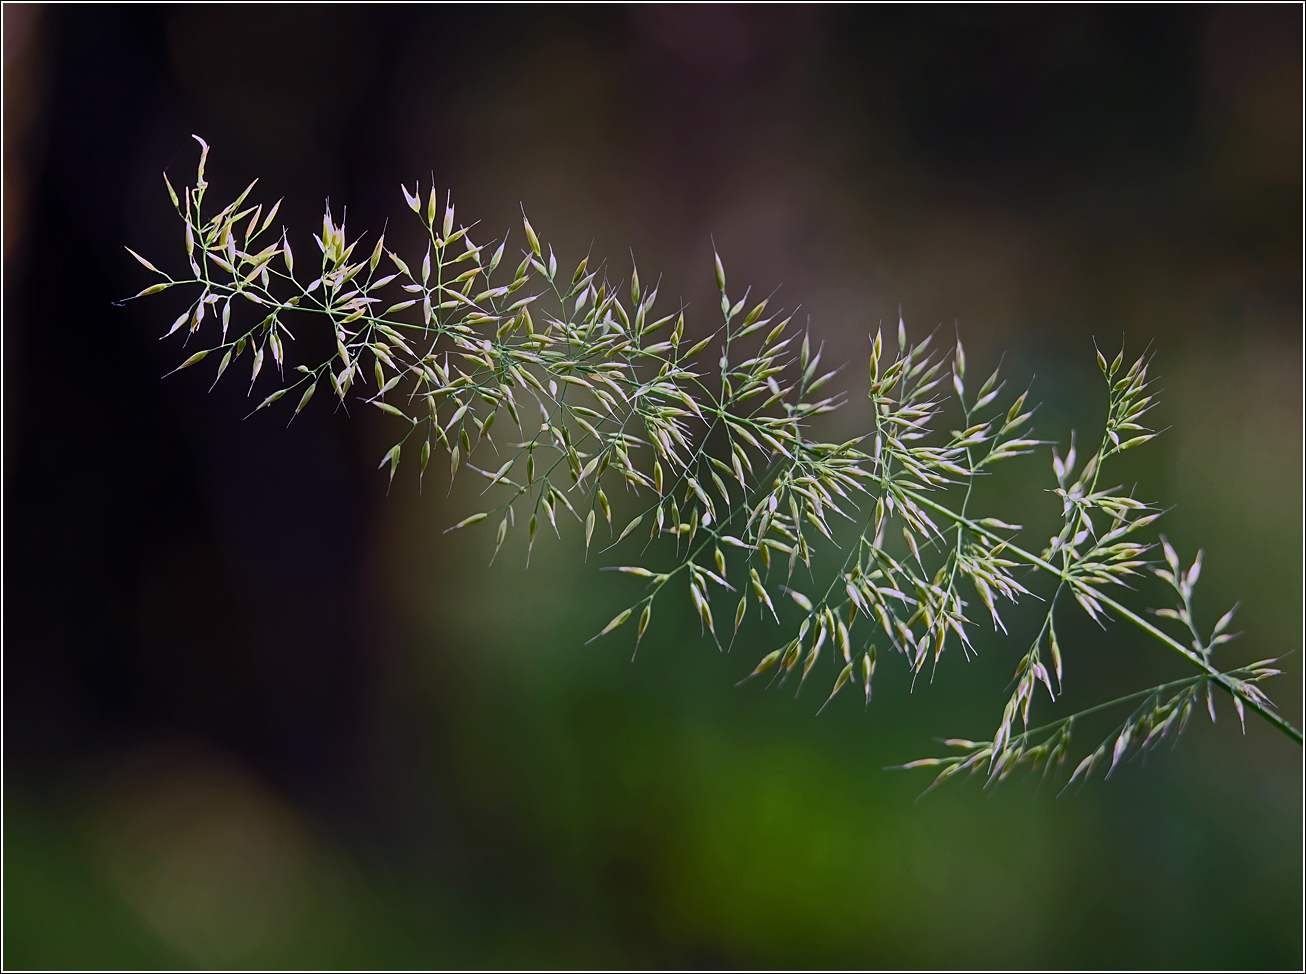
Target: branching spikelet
[566, 383]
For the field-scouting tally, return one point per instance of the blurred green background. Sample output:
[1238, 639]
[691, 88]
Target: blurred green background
[260, 714]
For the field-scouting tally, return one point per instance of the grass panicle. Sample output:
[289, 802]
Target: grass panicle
[557, 386]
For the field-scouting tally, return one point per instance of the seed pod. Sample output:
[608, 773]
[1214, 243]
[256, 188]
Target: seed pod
[385, 407]
[754, 315]
[308, 394]
[533, 240]
[629, 528]
[465, 522]
[766, 663]
[813, 655]
[271, 399]
[222, 367]
[844, 675]
[868, 670]
[705, 613]
[146, 263]
[761, 592]
[197, 357]
[618, 620]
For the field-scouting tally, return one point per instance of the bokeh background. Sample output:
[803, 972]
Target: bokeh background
[259, 713]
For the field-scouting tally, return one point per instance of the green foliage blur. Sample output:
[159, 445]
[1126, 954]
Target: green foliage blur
[495, 793]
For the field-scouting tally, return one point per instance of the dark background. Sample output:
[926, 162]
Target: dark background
[259, 713]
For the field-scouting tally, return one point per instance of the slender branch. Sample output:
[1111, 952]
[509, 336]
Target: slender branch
[1215, 675]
